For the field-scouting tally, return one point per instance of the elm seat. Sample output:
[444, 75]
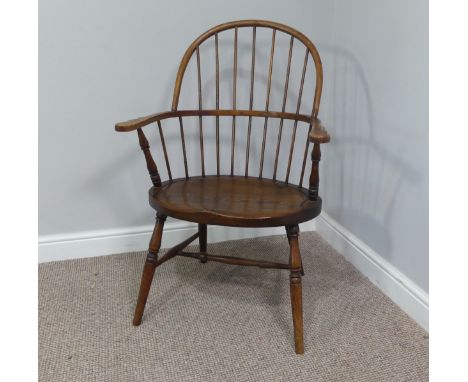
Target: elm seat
[241, 201]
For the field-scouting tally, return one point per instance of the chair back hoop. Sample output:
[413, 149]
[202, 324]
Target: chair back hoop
[254, 24]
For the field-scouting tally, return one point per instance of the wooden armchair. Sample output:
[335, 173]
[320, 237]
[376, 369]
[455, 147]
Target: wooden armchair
[246, 199]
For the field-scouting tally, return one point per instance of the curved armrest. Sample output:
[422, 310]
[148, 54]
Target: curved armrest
[137, 123]
[318, 134]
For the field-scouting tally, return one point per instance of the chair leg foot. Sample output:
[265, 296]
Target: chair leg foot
[146, 280]
[149, 268]
[295, 283]
[296, 305]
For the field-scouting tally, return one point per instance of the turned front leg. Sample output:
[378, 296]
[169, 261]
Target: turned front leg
[149, 268]
[296, 287]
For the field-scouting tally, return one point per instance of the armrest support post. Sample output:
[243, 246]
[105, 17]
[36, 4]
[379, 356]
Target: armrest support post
[314, 174]
[318, 134]
[150, 164]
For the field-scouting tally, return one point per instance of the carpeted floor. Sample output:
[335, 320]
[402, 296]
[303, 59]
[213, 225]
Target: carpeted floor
[216, 322]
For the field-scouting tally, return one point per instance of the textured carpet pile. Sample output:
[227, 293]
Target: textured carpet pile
[217, 322]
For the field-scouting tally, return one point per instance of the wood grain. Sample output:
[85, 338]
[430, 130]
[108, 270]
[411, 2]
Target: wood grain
[237, 201]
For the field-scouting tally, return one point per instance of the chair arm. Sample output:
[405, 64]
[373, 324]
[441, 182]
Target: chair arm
[318, 134]
[137, 123]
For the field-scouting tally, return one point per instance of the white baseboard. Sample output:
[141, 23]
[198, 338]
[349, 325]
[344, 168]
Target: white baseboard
[403, 291]
[106, 242]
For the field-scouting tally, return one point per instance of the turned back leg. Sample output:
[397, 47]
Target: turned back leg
[202, 239]
[296, 286]
[149, 268]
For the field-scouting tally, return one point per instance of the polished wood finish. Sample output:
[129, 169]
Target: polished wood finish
[250, 24]
[217, 104]
[237, 199]
[204, 257]
[148, 270]
[298, 108]
[174, 251]
[295, 284]
[184, 151]
[200, 118]
[202, 230]
[134, 124]
[166, 157]
[304, 160]
[267, 101]
[252, 83]
[285, 97]
[318, 133]
[234, 103]
[314, 174]
[150, 164]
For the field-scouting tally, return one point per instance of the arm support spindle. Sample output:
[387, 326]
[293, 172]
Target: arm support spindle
[317, 135]
[152, 169]
[314, 173]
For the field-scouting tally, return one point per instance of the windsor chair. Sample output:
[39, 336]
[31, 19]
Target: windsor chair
[246, 199]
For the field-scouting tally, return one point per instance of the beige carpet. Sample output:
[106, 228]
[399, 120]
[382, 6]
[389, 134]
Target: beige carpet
[216, 322]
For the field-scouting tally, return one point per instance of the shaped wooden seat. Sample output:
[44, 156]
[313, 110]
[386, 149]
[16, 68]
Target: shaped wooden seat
[235, 201]
[249, 198]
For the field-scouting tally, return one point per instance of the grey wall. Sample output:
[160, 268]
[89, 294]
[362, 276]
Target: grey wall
[375, 173]
[106, 61]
